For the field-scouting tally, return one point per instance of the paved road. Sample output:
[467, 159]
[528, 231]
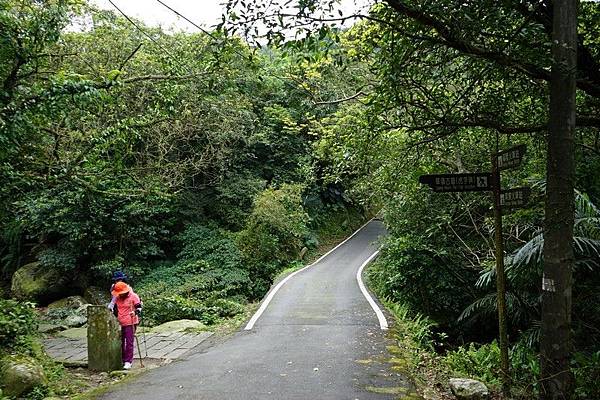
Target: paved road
[317, 339]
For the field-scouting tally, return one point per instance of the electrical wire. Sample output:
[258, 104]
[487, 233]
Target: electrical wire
[146, 34]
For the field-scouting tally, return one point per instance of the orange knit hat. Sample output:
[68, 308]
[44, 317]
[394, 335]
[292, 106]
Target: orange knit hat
[120, 288]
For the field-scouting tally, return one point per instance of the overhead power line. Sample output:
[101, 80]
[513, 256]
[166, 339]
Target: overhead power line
[188, 20]
[146, 34]
[208, 33]
[221, 42]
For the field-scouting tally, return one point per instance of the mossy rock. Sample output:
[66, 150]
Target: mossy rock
[74, 333]
[70, 312]
[96, 295]
[76, 320]
[37, 283]
[49, 329]
[21, 374]
[71, 302]
[178, 326]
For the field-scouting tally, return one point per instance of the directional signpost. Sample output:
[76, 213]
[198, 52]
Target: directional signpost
[504, 200]
[514, 198]
[478, 182]
[511, 158]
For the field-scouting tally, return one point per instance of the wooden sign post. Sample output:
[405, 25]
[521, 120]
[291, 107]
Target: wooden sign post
[503, 200]
[500, 277]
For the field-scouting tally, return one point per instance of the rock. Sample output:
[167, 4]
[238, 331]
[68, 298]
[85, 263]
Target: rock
[468, 389]
[178, 326]
[35, 282]
[50, 328]
[103, 340]
[74, 333]
[97, 296]
[20, 375]
[71, 302]
[70, 312]
[75, 321]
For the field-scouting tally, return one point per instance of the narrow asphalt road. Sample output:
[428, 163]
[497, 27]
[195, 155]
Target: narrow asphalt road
[317, 339]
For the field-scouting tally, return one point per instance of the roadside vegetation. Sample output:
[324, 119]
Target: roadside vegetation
[184, 160]
[204, 165]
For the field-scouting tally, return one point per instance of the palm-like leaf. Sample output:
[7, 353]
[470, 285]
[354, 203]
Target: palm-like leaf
[523, 268]
[519, 307]
[586, 241]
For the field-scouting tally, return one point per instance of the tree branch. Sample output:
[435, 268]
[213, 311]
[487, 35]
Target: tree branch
[452, 40]
[338, 101]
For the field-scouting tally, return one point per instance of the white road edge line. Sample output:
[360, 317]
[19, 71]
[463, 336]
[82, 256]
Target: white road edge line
[272, 293]
[382, 321]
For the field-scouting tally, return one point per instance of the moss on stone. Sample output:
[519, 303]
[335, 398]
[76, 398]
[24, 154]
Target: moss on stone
[387, 390]
[20, 374]
[33, 282]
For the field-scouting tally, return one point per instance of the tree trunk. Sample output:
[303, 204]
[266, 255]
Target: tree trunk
[557, 380]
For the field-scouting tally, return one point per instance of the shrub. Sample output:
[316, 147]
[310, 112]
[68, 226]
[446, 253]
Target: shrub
[483, 362]
[415, 326]
[275, 232]
[276, 229]
[223, 269]
[586, 368]
[174, 307]
[18, 322]
[234, 199]
[200, 284]
[479, 362]
[92, 225]
[408, 273]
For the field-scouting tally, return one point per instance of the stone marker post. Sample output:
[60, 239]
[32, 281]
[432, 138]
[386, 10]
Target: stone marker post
[104, 340]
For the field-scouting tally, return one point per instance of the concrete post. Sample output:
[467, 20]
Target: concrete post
[104, 340]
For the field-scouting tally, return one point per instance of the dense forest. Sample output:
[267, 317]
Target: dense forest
[205, 164]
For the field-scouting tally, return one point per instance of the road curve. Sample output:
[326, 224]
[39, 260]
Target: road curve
[318, 338]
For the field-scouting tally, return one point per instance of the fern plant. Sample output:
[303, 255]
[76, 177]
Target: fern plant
[524, 272]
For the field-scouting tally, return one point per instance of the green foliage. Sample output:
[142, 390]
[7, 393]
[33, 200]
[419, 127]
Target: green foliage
[416, 327]
[174, 307]
[207, 283]
[116, 148]
[89, 222]
[524, 271]
[234, 199]
[479, 362]
[410, 274]
[586, 369]
[217, 249]
[483, 362]
[275, 232]
[18, 324]
[281, 150]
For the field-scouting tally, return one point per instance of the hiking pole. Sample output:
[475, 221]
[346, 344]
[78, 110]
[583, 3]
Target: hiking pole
[144, 333]
[139, 350]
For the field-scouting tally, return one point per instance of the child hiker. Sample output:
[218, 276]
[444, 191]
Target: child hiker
[128, 307]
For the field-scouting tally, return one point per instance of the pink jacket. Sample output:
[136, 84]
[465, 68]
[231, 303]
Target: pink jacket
[126, 309]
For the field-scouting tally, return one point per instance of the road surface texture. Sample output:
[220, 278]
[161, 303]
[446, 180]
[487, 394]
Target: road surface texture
[317, 339]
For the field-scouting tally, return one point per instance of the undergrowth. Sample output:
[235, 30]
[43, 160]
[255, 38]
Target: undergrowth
[417, 340]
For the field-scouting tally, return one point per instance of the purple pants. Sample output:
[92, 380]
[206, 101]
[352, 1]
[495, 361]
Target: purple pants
[127, 338]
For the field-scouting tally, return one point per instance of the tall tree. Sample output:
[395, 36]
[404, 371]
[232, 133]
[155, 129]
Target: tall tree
[559, 260]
